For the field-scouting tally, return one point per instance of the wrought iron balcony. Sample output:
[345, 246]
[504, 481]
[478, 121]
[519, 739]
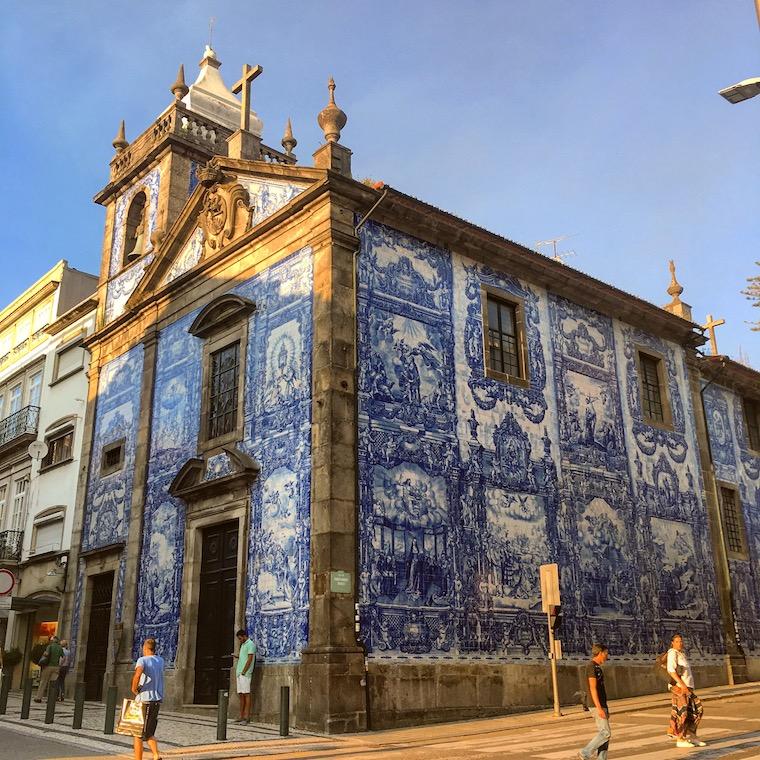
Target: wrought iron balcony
[10, 545]
[21, 423]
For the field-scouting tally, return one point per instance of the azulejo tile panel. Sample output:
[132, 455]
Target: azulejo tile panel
[737, 466]
[268, 196]
[121, 287]
[188, 257]
[277, 435]
[467, 484]
[148, 184]
[107, 507]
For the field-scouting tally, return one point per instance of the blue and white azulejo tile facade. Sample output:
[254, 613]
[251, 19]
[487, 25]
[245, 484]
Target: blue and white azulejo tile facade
[738, 466]
[123, 284]
[109, 497]
[277, 435]
[468, 483]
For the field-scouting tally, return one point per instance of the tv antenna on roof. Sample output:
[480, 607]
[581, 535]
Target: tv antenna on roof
[556, 255]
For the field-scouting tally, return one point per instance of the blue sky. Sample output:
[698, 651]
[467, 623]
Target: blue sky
[534, 118]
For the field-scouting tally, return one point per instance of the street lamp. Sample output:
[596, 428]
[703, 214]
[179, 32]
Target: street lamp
[747, 88]
[743, 90]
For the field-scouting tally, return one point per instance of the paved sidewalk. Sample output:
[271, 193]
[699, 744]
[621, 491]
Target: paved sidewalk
[191, 737]
[175, 729]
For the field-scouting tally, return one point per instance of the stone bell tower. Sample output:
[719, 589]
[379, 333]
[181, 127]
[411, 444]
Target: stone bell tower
[152, 176]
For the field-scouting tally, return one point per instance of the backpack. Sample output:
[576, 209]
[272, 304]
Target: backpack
[661, 668]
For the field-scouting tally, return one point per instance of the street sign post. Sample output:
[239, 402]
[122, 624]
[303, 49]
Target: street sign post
[550, 604]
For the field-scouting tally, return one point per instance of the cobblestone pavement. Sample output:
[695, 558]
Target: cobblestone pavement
[731, 729]
[174, 729]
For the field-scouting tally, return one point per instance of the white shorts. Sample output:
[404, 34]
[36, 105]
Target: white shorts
[244, 684]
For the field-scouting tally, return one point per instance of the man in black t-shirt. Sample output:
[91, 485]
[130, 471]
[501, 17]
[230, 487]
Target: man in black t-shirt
[599, 745]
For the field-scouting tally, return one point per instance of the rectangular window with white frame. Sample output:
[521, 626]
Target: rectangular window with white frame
[3, 503]
[69, 360]
[60, 448]
[15, 399]
[34, 393]
[20, 492]
[47, 531]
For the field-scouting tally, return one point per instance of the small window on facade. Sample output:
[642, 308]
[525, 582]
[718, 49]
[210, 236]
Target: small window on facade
[652, 401]
[59, 448]
[3, 503]
[134, 235]
[752, 419]
[504, 353]
[223, 390]
[18, 517]
[35, 388]
[47, 533]
[15, 399]
[733, 521]
[69, 360]
[113, 457]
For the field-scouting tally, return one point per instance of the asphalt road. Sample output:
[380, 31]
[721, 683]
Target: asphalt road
[22, 746]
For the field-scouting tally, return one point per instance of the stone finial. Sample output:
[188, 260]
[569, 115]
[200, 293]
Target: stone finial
[288, 141]
[179, 89]
[120, 141]
[675, 288]
[331, 119]
[676, 305]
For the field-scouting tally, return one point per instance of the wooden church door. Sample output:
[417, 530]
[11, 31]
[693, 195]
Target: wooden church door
[216, 611]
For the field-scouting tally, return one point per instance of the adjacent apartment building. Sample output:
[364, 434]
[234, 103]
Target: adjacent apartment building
[43, 388]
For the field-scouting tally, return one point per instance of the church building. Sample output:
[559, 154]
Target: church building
[356, 425]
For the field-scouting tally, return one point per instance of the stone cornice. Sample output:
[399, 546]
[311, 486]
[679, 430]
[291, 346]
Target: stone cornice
[445, 229]
[723, 370]
[72, 315]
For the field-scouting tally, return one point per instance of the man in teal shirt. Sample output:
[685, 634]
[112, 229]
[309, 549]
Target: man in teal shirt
[246, 659]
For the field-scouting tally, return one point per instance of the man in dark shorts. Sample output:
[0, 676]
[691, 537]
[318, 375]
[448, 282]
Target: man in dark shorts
[599, 745]
[148, 688]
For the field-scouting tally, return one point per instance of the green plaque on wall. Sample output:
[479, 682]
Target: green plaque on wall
[340, 582]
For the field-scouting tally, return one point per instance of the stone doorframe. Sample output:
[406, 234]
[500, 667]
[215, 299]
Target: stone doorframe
[97, 562]
[202, 515]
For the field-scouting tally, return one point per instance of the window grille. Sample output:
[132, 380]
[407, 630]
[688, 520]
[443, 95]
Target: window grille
[503, 333]
[650, 385]
[223, 390]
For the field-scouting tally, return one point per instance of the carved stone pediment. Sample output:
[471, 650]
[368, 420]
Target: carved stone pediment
[223, 311]
[204, 477]
[225, 212]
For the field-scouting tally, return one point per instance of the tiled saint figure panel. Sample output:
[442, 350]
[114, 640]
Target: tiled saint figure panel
[468, 483]
[737, 465]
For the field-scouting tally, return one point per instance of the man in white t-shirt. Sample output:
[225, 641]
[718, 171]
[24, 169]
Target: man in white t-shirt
[246, 659]
[686, 707]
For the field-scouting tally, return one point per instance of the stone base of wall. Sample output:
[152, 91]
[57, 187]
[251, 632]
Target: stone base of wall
[753, 668]
[406, 694]
[267, 680]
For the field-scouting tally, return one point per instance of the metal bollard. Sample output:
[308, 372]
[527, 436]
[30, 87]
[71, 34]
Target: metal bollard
[79, 690]
[52, 698]
[5, 687]
[110, 710]
[26, 699]
[284, 710]
[221, 715]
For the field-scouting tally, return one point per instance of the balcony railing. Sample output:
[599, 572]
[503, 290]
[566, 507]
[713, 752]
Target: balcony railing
[22, 422]
[10, 545]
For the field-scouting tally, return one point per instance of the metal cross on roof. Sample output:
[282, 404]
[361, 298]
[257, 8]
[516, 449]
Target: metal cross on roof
[244, 85]
[710, 326]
